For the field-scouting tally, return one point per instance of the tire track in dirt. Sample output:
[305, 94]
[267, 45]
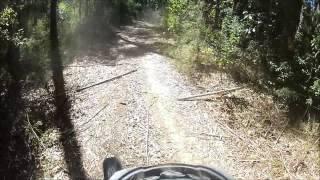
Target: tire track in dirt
[164, 114]
[178, 121]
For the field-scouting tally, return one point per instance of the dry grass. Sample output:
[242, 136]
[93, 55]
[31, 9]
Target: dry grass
[51, 160]
[267, 144]
[264, 144]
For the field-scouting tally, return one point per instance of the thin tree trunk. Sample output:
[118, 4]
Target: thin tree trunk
[87, 8]
[217, 16]
[80, 9]
[56, 64]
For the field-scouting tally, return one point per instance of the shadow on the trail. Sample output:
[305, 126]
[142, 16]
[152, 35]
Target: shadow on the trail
[141, 49]
[68, 138]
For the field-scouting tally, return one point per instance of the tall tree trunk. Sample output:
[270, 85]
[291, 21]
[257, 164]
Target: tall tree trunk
[80, 9]
[289, 19]
[217, 16]
[207, 9]
[239, 6]
[87, 8]
[56, 64]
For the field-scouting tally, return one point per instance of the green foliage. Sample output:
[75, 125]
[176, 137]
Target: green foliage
[8, 19]
[176, 15]
[218, 47]
[256, 41]
[316, 88]
[227, 45]
[35, 52]
[287, 95]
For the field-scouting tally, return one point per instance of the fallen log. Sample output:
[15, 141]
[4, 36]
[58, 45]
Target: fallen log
[108, 80]
[210, 93]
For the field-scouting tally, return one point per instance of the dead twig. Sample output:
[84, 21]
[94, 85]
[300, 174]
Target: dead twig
[95, 115]
[210, 93]
[108, 80]
[316, 141]
[34, 132]
[212, 135]
[233, 133]
[85, 66]
[252, 160]
[286, 167]
[283, 130]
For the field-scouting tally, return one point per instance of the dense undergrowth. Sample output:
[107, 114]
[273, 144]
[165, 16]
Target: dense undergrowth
[266, 44]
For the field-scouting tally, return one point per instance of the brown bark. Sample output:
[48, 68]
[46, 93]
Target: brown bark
[56, 63]
[239, 6]
[214, 22]
[80, 9]
[207, 9]
[217, 16]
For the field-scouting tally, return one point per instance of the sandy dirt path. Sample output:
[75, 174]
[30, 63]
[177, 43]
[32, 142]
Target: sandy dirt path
[138, 117]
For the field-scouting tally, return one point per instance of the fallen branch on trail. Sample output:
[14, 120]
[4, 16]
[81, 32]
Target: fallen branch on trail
[93, 65]
[108, 80]
[210, 93]
[104, 107]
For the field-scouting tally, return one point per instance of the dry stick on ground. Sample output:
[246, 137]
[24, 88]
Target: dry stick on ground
[246, 140]
[104, 107]
[286, 167]
[212, 135]
[316, 141]
[85, 66]
[108, 80]
[283, 130]
[252, 160]
[34, 133]
[210, 93]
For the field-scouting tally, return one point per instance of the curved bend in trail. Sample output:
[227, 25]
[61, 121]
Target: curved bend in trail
[137, 117]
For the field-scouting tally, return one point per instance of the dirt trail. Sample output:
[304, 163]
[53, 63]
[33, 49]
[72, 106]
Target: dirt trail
[138, 117]
[179, 121]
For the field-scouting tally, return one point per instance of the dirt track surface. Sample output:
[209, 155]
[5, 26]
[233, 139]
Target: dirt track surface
[137, 117]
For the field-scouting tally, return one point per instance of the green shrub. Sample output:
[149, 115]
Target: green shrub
[252, 43]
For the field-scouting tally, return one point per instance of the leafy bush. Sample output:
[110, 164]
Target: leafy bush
[253, 42]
